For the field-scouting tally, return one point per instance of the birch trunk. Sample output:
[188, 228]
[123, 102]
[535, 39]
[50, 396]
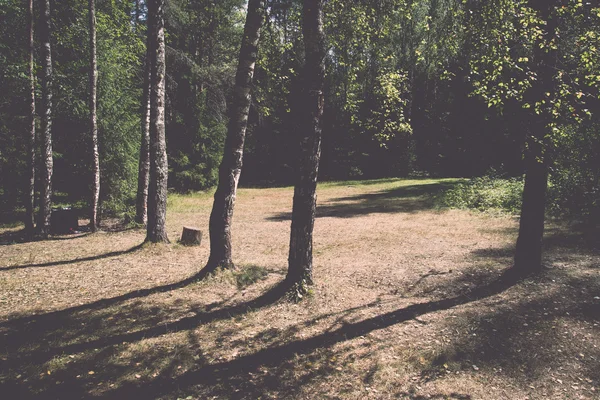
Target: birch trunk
[157, 190]
[305, 199]
[30, 201]
[93, 119]
[46, 122]
[231, 166]
[141, 215]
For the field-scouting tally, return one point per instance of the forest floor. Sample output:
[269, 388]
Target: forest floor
[408, 303]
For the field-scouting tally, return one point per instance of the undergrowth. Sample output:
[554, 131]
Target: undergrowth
[486, 193]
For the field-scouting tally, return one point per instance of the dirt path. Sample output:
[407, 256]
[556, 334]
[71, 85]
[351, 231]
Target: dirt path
[407, 304]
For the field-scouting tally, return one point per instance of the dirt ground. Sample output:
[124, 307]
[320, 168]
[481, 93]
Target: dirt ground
[408, 303]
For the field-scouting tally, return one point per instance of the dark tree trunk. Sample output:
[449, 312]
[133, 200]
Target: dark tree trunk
[93, 119]
[528, 253]
[231, 165]
[141, 215]
[46, 123]
[305, 199]
[30, 201]
[157, 190]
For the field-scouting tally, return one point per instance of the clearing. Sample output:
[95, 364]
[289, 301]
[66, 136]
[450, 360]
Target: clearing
[407, 304]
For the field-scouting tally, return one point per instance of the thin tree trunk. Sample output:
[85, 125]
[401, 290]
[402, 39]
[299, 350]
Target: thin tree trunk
[46, 122]
[305, 198]
[138, 13]
[157, 190]
[30, 202]
[141, 215]
[528, 253]
[93, 119]
[231, 165]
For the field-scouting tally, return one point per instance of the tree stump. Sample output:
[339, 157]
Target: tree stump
[191, 236]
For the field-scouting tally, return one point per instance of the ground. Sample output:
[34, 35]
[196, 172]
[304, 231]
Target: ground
[409, 302]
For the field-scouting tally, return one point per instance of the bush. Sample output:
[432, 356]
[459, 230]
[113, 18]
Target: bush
[575, 176]
[485, 194]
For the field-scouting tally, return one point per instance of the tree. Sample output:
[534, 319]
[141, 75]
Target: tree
[536, 53]
[528, 253]
[157, 190]
[231, 165]
[93, 118]
[30, 201]
[305, 200]
[141, 212]
[46, 123]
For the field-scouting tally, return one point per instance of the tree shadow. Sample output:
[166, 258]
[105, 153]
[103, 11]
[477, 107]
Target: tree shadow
[10, 237]
[404, 199]
[94, 340]
[74, 261]
[14, 236]
[530, 339]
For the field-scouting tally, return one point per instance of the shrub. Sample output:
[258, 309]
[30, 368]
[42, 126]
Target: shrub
[485, 194]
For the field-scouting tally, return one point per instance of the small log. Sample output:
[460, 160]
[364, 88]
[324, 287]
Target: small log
[191, 236]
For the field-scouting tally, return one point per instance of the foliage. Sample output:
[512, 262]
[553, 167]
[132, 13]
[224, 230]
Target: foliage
[575, 189]
[446, 87]
[485, 193]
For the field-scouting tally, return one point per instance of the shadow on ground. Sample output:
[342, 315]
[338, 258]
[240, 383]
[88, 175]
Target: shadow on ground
[73, 261]
[82, 347]
[404, 199]
[533, 332]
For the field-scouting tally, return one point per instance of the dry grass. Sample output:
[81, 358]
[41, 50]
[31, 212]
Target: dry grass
[407, 305]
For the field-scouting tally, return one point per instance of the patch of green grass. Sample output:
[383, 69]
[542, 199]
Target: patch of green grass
[188, 202]
[249, 276]
[485, 194]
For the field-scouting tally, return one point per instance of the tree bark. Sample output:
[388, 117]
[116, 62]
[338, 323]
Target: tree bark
[528, 253]
[30, 201]
[157, 190]
[191, 236]
[231, 166]
[305, 200]
[93, 119]
[141, 215]
[46, 122]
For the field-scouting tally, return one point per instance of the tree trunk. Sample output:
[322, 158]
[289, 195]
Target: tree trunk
[30, 201]
[138, 14]
[528, 253]
[231, 165]
[305, 199]
[157, 190]
[93, 119]
[141, 215]
[46, 122]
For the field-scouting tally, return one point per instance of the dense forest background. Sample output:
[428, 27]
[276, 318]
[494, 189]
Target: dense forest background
[413, 87]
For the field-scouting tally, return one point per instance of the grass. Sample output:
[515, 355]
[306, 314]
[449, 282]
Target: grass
[407, 304]
[485, 194]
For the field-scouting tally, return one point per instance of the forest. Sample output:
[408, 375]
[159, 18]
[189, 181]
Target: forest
[451, 252]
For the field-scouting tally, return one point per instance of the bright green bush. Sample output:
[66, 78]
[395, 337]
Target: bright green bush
[485, 194]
